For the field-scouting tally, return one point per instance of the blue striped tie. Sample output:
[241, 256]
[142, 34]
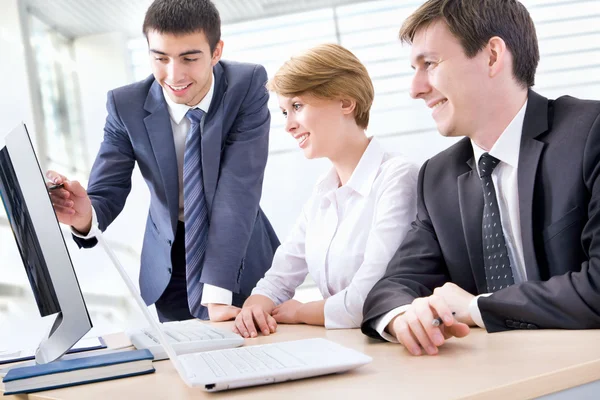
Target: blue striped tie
[195, 213]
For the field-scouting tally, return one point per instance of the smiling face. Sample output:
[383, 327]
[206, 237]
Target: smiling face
[452, 85]
[316, 124]
[182, 64]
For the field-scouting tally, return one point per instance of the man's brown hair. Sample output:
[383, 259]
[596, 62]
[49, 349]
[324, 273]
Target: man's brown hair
[475, 22]
[182, 17]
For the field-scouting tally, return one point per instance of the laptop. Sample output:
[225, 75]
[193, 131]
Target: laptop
[189, 336]
[224, 369]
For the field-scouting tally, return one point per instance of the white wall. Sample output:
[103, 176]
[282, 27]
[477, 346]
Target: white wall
[16, 103]
[102, 63]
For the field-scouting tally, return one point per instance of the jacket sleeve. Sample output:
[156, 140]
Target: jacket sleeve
[237, 197]
[110, 179]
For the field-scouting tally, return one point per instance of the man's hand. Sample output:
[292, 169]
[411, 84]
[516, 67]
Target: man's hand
[458, 300]
[222, 312]
[415, 328]
[71, 203]
[255, 313]
[287, 312]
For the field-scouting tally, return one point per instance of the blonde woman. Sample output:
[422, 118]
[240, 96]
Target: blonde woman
[359, 211]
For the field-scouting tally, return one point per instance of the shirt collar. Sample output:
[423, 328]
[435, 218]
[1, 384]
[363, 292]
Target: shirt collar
[363, 176]
[508, 145]
[178, 111]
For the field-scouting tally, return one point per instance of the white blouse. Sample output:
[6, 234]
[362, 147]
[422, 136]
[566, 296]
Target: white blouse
[345, 236]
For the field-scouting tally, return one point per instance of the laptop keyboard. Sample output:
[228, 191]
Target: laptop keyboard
[181, 333]
[243, 360]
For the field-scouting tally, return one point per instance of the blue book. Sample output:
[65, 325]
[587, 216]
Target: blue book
[77, 371]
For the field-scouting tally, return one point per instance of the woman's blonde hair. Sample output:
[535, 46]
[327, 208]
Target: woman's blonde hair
[327, 71]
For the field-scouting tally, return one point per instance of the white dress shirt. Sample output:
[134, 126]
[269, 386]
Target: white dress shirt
[346, 235]
[181, 126]
[506, 149]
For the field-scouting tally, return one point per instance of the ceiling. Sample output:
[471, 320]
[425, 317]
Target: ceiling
[75, 18]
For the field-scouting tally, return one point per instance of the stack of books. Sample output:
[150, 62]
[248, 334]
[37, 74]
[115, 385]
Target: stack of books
[77, 371]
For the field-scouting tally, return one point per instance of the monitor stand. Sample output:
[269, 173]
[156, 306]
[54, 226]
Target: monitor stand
[59, 340]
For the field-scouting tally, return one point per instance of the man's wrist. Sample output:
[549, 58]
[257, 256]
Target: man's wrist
[84, 229]
[390, 327]
[474, 311]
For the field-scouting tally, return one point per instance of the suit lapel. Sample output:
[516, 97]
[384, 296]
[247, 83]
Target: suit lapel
[160, 133]
[470, 197]
[534, 124]
[212, 137]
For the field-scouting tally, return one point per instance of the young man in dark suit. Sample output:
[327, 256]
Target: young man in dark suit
[507, 234]
[198, 129]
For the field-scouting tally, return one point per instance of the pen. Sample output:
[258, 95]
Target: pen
[54, 187]
[438, 321]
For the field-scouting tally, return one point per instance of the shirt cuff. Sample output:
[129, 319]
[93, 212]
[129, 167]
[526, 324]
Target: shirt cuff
[337, 315]
[216, 295]
[474, 310]
[92, 233]
[382, 322]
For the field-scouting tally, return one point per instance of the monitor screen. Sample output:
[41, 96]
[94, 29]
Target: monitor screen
[26, 238]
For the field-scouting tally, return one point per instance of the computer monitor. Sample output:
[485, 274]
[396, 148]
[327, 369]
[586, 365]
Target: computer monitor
[42, 246]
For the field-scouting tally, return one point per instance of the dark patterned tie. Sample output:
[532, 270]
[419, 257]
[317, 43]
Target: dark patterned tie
[498, 273]
[195, 213]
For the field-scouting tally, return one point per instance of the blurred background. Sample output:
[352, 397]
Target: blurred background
[58, 58]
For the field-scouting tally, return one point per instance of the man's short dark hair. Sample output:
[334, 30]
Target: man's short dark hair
[475, 22]
[180, 17]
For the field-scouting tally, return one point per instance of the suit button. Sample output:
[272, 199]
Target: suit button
[523, 325]
[531, 326]
[510, 323]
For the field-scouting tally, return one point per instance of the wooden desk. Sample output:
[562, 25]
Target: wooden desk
[522, 364]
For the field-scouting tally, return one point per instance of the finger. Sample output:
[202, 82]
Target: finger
[261, 321]
[417, 329]
[405, 336]
[55, 177]
[272, 323]
[75, 188]
[60, 193]
[240, 324]
[458, 329]
[66, 211]
[66, 203]
[425, 314]
[235, 330]
[434, 303]
[442, 309]
[249, 322]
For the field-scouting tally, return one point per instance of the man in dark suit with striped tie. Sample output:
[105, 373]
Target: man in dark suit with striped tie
[507, 234]
[198, 129]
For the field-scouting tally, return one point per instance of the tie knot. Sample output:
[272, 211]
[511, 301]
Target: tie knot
[487, 164]
[194, 115]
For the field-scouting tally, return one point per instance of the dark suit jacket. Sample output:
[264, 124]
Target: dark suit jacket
[559, 203]
[241, 241]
